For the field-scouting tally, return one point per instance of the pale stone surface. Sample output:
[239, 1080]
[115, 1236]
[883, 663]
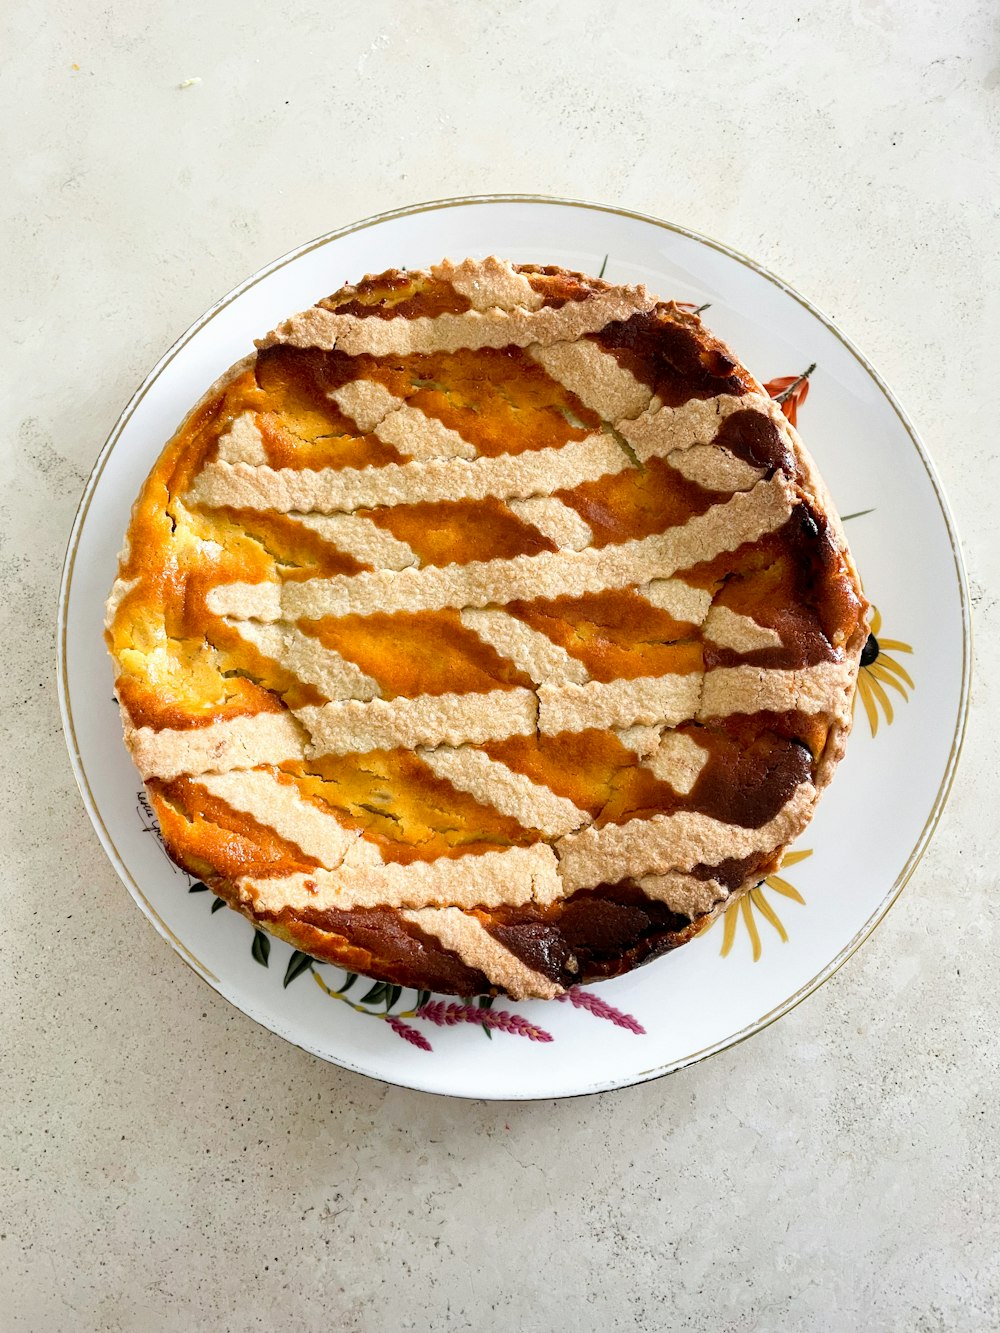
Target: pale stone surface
[164, 1163]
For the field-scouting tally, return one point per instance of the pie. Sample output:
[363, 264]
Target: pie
[488, 630]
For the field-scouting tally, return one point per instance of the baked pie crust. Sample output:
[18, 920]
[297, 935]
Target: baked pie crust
[488, 630]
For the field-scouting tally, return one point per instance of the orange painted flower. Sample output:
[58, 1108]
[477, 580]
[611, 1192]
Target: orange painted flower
[790, 391]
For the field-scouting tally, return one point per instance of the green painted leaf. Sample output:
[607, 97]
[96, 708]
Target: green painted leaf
[603, 267]
[198, 887]
[485, 1002]
[219, 902]
[297, 964]
[349, 979]
[374, 996]
[392, 994]
[422, 997]
[261, 948]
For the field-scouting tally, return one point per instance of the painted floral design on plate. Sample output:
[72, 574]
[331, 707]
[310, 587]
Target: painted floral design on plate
[400, 1007]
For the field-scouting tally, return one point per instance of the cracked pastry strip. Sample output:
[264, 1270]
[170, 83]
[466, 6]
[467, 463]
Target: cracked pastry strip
[665, 843]
[466, 936]
[304, 656]
[514, 875]
[278, 805]
[531, 651]
[744, 518]
[595, 377]
[513, 794]
[489, 629]
[555, 520]
[509, 476]
[243, 742]
[360, 538]
[661, 431]
[243, 443]
[407, 429]
[353, 726]
[326, 329]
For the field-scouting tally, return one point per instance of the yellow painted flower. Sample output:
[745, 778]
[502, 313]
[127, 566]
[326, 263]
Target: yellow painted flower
[879, 669]
[756, 902]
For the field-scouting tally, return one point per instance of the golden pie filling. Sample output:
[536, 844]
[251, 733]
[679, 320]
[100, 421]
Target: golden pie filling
[488, 630]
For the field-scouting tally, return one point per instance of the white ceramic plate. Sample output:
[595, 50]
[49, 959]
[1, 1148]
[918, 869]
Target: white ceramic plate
[872, 825]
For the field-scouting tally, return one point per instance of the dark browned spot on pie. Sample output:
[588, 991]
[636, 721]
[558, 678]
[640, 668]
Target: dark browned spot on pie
[733, 872]
[600, 925]
[748, 785]
[540, 946]
[608, 930]
[794, 580]
[378, 941]
[398, 295]
[296, 383]
[755, 439]
[615, 927]
[672, 356]
[557, 286]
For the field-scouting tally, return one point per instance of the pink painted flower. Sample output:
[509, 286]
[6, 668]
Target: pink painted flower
[448, 1014]
[593, 1004]
[408, 1033]
[505, 1021]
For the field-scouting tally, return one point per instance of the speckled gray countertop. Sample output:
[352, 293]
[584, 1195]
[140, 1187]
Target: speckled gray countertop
[164, 1163]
